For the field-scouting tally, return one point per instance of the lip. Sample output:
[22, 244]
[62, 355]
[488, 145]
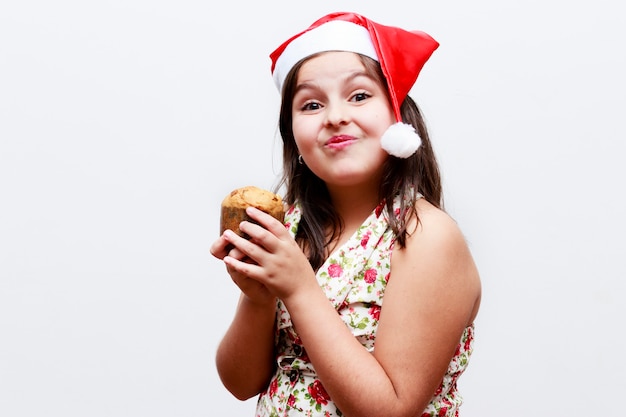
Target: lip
[340, 141]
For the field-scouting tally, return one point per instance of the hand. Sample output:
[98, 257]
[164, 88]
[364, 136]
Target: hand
[271, 256]
[255, 291]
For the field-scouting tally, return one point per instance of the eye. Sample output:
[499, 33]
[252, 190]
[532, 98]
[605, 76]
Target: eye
[360, 96]
[311, 105]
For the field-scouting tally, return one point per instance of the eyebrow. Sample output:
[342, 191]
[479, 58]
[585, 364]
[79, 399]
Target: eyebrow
[351, 76]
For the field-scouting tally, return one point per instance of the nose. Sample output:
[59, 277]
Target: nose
[336, 114]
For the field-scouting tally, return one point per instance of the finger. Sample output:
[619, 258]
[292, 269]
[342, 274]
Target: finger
[239, 255]
[220, 247]
[270, 223]
[260, 236]
[236, 253]
[248, 248]
[265, 230]
[249, 270]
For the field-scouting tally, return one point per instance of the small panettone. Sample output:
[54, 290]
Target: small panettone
[234, 207]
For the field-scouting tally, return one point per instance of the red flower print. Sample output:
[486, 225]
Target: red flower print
[375, 312]
[291, 401]
[288, 225]
[443, 411]
[366, 238]
[273, 387]
[379, 208]
[370, 275]
[318, 393]
[468, 343]
[335, 270]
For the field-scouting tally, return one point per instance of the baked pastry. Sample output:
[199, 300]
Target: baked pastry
[234, 207]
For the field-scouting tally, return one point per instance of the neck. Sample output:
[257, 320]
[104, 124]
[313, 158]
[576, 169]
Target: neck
[354, 204]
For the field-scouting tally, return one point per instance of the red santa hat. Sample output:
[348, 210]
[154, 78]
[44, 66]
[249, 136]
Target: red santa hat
[401, 55]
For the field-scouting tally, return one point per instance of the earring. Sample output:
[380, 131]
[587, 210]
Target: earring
[300, 160]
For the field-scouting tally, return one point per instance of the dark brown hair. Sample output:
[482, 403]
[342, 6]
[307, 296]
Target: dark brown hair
[405, 177]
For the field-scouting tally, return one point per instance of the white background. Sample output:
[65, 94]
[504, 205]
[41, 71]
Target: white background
[124, 123]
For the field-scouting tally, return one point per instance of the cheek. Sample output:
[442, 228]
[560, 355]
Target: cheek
[386, 117]
[305, 147]
[304, 132]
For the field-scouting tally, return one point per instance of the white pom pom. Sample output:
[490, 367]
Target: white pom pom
[400, 140]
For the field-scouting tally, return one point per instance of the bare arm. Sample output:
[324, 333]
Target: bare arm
[433, 294]
[245, 355]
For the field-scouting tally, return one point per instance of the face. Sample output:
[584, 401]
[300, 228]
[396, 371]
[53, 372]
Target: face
[339, 114]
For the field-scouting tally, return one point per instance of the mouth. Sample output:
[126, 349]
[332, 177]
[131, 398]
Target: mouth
[340, 140]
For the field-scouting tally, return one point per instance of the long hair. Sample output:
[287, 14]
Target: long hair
[418, 173]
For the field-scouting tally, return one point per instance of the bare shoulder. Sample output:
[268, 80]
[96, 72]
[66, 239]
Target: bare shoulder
[432, 295]
[435, 226]
[437, 259]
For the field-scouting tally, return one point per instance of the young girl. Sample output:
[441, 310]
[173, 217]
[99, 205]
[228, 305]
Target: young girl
[363, 302]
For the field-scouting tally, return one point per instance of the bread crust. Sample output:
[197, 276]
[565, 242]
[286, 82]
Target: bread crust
[233, 208]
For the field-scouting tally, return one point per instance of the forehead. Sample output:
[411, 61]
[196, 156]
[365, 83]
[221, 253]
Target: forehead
[331, 64]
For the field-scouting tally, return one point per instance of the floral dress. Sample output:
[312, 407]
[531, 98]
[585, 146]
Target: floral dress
[354, 278]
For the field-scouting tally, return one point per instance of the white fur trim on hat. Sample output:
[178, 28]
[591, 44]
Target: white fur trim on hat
[336, 35]
[400, 140]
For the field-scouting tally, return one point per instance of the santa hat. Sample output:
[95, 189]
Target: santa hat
[401, 55]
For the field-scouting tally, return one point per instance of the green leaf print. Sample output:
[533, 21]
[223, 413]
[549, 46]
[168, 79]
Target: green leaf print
[463, 359]
[361, 324]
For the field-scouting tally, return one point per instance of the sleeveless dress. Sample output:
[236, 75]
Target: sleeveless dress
[353, 278]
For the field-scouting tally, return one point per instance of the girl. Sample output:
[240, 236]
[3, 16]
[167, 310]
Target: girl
[311, 334]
